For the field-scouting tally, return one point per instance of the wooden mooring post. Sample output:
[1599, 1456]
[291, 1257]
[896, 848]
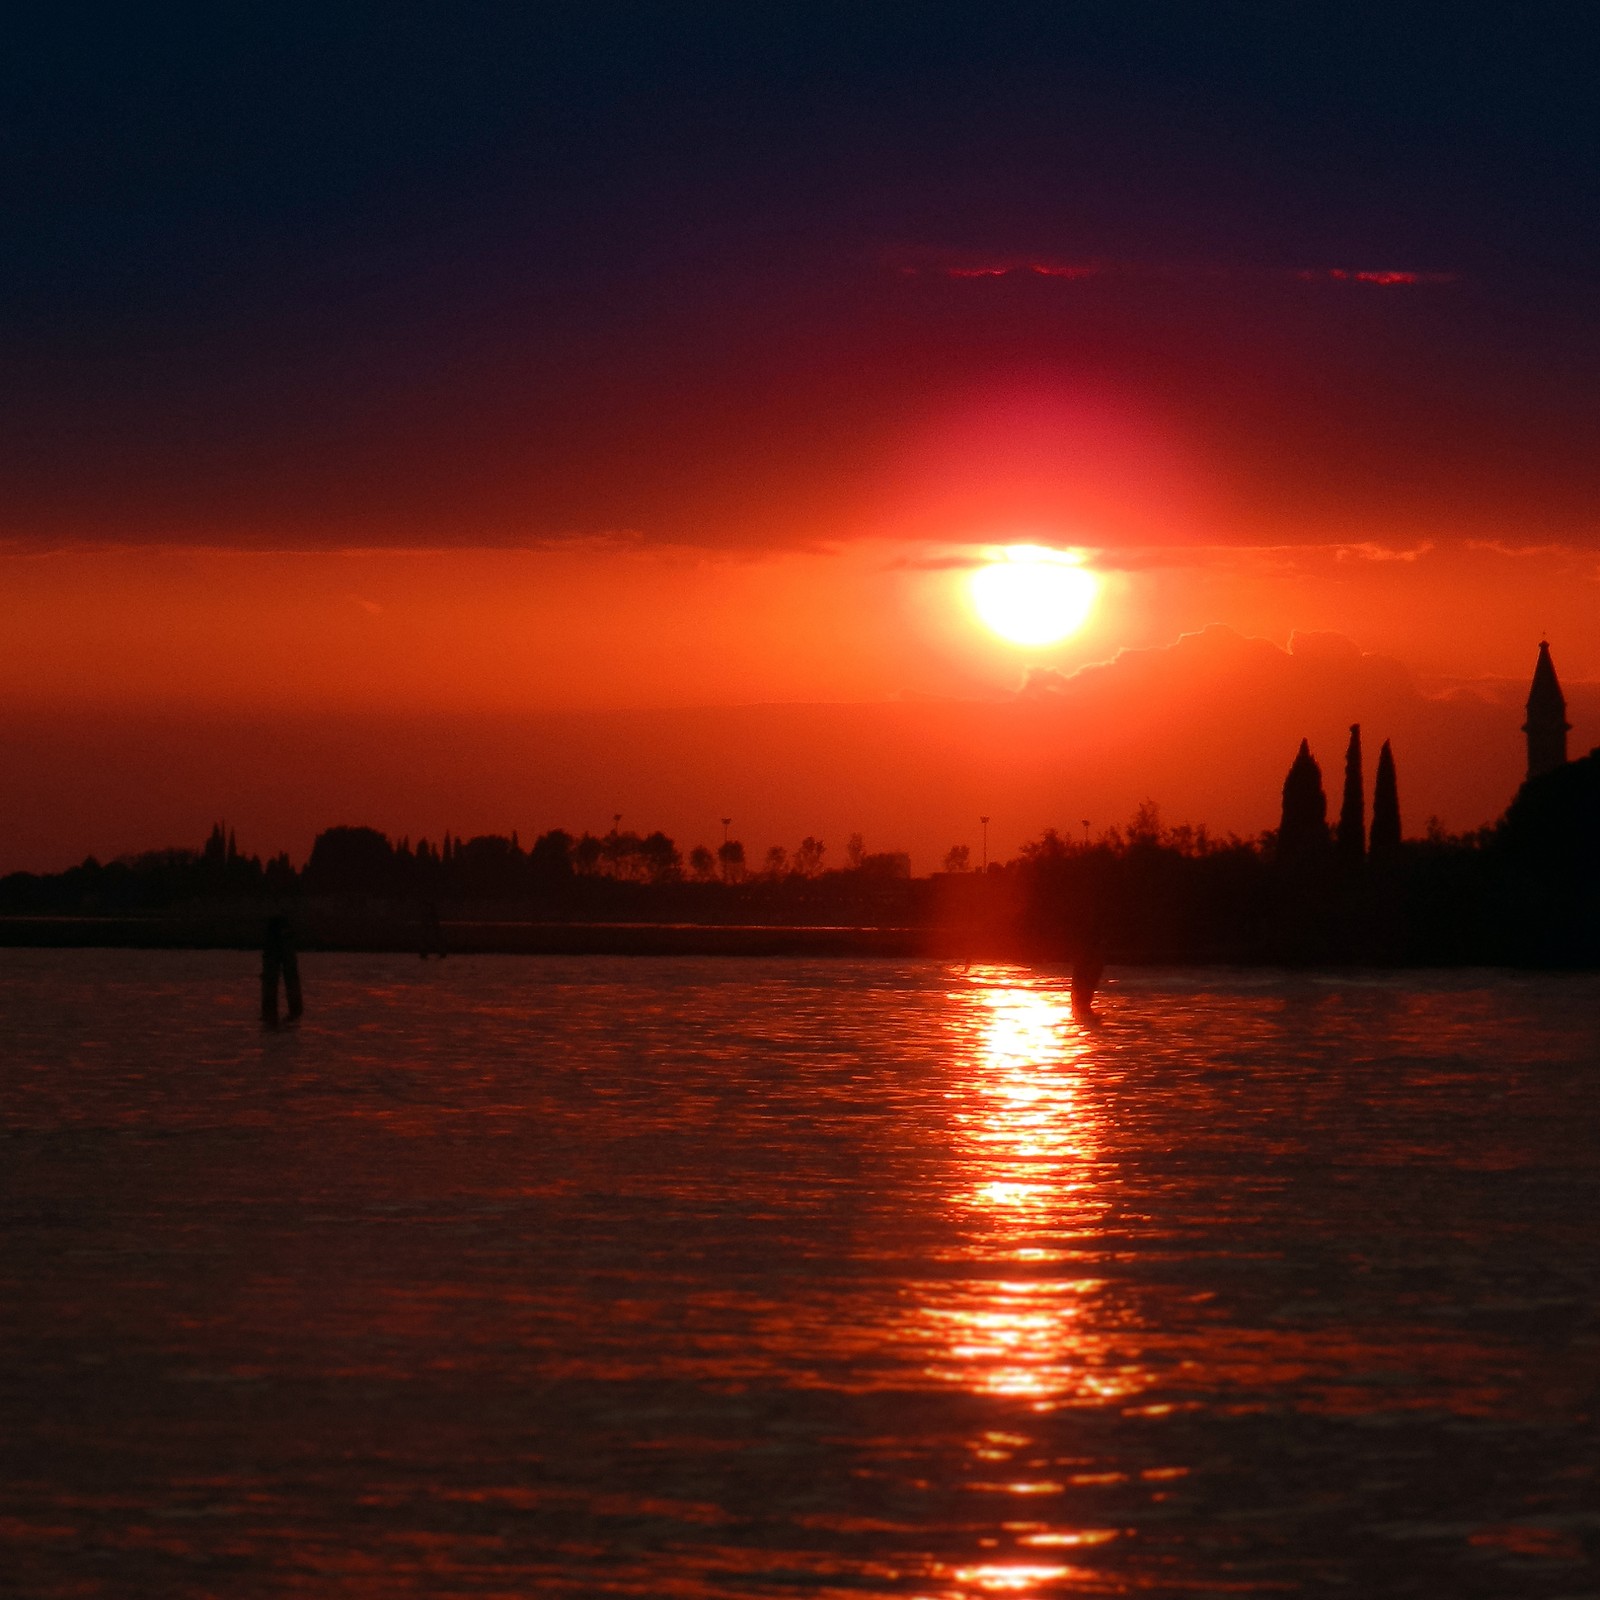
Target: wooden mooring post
[430, 934]
[279, 961]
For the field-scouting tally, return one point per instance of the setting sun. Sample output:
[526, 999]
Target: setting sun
[1034, 595]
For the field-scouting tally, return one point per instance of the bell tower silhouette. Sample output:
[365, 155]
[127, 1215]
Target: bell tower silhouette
[1547, 723]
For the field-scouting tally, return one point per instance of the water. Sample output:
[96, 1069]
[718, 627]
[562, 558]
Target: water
[692, 1278]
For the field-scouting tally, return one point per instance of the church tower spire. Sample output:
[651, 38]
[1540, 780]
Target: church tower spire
[1547, 723]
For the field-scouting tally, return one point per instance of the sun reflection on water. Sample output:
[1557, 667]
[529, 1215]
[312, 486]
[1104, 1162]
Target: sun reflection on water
[996, 1578]
[1029, 1157]
[1020, 1318]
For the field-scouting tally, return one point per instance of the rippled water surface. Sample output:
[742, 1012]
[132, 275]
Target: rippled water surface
[501, 1277]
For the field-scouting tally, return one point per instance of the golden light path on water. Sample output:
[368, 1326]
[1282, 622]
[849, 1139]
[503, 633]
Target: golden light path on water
[1029, 1152]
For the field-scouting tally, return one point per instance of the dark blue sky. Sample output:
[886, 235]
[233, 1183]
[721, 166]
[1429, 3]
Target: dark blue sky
[331, 274]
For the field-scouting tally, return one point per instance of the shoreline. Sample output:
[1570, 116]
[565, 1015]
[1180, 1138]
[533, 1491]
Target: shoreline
[349, 933]
[478, 937]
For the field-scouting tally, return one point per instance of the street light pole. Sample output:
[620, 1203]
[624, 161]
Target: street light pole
[985, 822]
[726, 821]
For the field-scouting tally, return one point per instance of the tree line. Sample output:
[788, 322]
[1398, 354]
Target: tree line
[1351, 889]
[601, 872]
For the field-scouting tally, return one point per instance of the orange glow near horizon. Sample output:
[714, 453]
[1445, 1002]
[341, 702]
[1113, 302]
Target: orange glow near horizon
[631, 625]
[1033, 595]
[561, 684]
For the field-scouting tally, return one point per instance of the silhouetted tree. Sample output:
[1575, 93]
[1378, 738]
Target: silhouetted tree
[886, 864]
[1385, 809]
[808, 856]
[777, 862]
[550, 859]
[1049, 849]
[488, 865]
[1144, 827]
[660, 858]
[1548, 846]
[1352, 834]
[702, 864]
[730, 857]
[620, 856]
[348, 860]
[855, 851]
[1303, 832]
[958, 858]
[1187, 839]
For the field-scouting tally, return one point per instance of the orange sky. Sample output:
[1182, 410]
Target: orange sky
[813, 690]
[614, 625]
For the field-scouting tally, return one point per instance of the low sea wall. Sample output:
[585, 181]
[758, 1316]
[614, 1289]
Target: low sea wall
[345, 932]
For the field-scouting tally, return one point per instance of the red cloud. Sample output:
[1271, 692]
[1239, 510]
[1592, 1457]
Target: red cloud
[1078, 271]
[1389, 278]
[1043, 269]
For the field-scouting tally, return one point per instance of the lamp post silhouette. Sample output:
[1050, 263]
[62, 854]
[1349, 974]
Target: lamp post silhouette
[726, 823]
[985, 822]
[1085, 833]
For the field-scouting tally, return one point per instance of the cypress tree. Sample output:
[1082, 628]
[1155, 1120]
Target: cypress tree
[1385, 809]
[1352, 813]
[1303, 832]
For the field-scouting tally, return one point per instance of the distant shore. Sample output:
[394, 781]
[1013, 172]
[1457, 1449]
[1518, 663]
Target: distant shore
[476, 937]
[377, 935]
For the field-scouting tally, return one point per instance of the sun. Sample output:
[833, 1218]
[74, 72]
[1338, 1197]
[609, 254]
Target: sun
[1033, 595]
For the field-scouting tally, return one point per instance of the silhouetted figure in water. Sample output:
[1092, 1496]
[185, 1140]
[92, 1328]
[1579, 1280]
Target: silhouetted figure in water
[431, 940]
[278, 960]
[1087, 967]
[1086, 972]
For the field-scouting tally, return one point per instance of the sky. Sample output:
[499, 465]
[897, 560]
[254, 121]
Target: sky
[488, 417]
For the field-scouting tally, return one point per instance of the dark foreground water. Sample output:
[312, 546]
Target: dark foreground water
[689, 1278]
